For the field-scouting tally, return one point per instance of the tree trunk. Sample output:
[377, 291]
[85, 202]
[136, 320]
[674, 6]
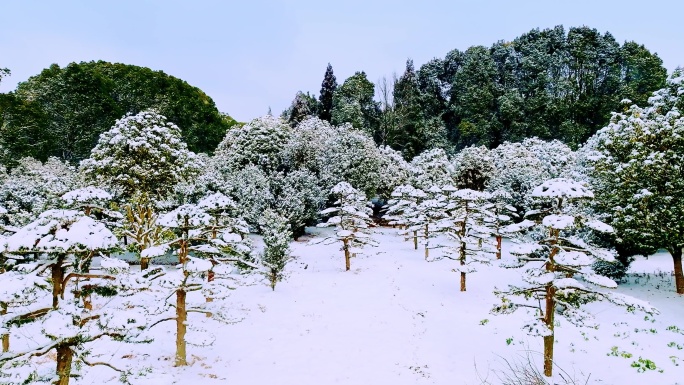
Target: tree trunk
[181, 318]
[548, 320]
[679, 275]
[144, 264]
[426, 242]
[5, 337]
[415, 240]
[57, 277]
[64, 358]
[498, 247]
[347, 257]
[550, 310]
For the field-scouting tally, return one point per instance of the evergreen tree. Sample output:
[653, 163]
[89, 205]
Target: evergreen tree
[277, 236]
[328, 88]
[637, 168]
[409, 114]
[302, 107]
[141, 153]
[351, 220]
[555, 263]
[353, 103]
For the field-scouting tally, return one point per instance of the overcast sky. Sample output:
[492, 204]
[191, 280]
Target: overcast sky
[254, 54]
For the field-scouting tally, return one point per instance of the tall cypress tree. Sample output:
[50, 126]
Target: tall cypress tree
[409, 113]
[328, 88]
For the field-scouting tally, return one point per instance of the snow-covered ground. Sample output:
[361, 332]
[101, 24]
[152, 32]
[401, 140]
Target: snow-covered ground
[397, 319]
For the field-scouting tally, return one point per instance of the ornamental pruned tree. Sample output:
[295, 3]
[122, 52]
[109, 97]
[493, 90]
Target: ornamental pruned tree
[637, 167]
[90, 199]
[66, 241]
[351, 219]
[556, 263]
[423, 218]
[198, 255]
[141, 153]
[466, 226]
[276, 254]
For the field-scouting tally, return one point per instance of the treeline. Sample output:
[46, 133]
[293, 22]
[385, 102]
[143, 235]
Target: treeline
[62, 111]
[551, 83]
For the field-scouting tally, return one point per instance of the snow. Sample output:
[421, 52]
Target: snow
[396, 319]
[562, 188]
[558, 222]
[86, 194]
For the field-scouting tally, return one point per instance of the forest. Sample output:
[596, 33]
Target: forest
[128, 201]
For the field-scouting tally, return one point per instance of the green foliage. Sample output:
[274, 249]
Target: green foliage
[639, 174]
[66, 109]
[328, 88]
[277, 236]
[353, 103]
[142, 153]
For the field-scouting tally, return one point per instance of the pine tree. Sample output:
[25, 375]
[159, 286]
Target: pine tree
[141, 153]
[276, 255]
[466, 225]
[555, 262]
[67, 241]
[408, 112]
[351, 220]
[328, 88]
[638, 170]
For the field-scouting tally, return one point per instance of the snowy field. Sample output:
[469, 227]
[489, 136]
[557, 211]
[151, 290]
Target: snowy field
[397, 319]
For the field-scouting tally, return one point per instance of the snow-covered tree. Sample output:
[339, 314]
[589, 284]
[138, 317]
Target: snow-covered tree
[297, 197]
[276, 254]
[466, 226]
[33, 187]
[141, 153]
[395, 171]
[555, 266]
[431, 168]
[502, 216]
[637, 166]
[423, 217]
[67, 241]
[257, 143]
[473, 167]
[335, 154]
[351, 220]
[198, 255]
[90, 199]
[519, 171]
[555, 156]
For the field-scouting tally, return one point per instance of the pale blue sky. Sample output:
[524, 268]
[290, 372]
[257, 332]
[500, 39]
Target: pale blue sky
[252, 54]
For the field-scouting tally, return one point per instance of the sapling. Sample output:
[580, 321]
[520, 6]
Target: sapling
[276, 254]
[555, 265]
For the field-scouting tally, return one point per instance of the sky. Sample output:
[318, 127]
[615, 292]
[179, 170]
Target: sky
[254, 54]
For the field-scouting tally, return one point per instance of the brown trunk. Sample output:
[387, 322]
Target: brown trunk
[462, 253]
[415, 240]
[210, 277]
[5, 337]
[144, 264]
[347, 257]
[548, 320]
[87, 302]
[181, 318]
[550, 310]
[679, 275]
[463, 281]
[498, 247]
[57, 277]
[426, 241]
[64, 358]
